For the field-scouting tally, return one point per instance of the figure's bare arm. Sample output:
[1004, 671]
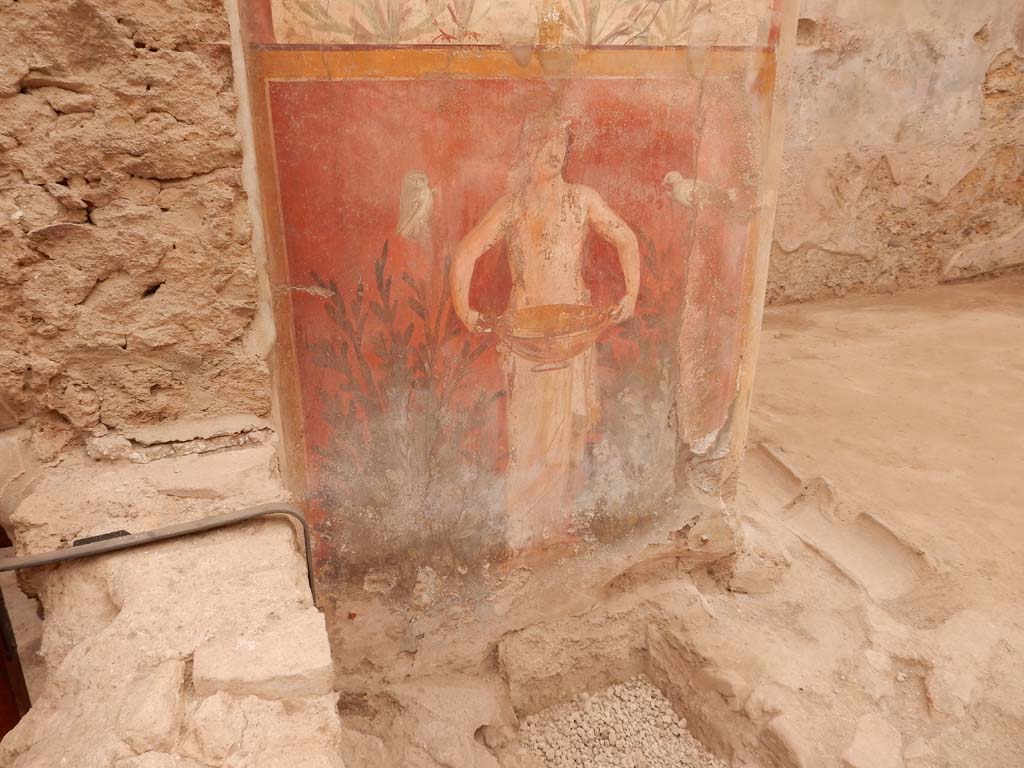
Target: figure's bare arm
[613, 229]
[474, 245]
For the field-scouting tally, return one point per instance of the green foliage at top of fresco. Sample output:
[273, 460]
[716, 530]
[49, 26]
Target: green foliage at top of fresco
[387, 22]
[392, 22]
[628, 22]
[672, 22]
[587, 22]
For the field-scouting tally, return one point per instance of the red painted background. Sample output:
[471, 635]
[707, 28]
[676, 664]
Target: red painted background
[343, 148]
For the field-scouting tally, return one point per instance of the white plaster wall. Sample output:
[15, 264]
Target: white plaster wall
[904, 144]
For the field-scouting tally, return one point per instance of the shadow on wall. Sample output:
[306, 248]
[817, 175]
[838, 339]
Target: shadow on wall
[14, 698]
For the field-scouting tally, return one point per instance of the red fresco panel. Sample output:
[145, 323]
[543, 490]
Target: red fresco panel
[427, 440]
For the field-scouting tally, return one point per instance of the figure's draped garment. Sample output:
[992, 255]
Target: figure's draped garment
[550, 412]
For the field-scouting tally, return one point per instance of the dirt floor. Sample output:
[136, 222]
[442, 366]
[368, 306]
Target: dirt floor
[911, 407]
[898, 422]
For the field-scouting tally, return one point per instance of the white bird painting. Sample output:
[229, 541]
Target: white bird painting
[679, 187]
[690, 191]
[415, 208]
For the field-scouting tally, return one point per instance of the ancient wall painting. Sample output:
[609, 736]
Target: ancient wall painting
[511, 291]
[522, 22]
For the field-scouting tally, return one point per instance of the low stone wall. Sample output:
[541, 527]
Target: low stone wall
[200, 651]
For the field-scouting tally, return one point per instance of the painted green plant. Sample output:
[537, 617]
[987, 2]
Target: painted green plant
[404, 465]
[632, 467]
[588, 22]
[631, 22]
[672, 23]
[457, 21]
[603, 22]
[385, 22]
[409, 460]
[320, 19]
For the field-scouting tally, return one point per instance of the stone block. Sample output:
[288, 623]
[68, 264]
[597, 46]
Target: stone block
[291, 757]
[218, 724]
[575, 653]
[761, 561]
[151, 721]
[765, 702]
[784, 744]
[289, 658]
[362, 749]
[18, 469]
[444, 716]
[728, 683]
[876, 744]
[8, 416]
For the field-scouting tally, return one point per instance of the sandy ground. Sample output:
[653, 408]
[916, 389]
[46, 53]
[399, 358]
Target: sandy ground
[913, 407]
[901, 417]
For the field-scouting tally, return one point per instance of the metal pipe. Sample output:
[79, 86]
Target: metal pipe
[118, 541]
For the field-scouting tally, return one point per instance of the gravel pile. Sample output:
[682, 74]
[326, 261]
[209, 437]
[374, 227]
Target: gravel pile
[630, 725]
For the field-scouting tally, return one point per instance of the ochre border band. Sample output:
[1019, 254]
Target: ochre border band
[475, 62]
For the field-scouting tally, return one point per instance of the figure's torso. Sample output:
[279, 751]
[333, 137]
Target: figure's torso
[545, 242]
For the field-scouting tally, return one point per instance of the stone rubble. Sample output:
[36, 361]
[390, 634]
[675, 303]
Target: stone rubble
[628, 725]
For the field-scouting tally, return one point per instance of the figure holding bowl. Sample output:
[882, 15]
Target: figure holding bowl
[549, 328]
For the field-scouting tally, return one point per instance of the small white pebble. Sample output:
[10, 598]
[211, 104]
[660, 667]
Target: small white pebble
[629, 725]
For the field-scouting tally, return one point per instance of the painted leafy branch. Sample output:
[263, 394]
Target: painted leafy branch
[671, 26]
[607, 22]
[386, 22]
[629, 22]
[405, 440]
[587, 22]
[457, 21]
[320, 18]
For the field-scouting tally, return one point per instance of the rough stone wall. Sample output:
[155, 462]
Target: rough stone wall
[132, 391]
[904, 160]
[127, 281]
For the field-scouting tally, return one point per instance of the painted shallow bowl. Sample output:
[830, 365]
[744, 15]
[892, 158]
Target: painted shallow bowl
[553, 333]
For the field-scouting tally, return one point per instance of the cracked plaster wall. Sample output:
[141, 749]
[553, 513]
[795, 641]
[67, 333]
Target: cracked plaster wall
[904, 159]
[132, 329]
[127, 278]
[128, 288]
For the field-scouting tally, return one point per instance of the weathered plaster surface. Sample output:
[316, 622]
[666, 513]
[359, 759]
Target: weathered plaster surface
[127, 281]
[128, 290]
[904, 161]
